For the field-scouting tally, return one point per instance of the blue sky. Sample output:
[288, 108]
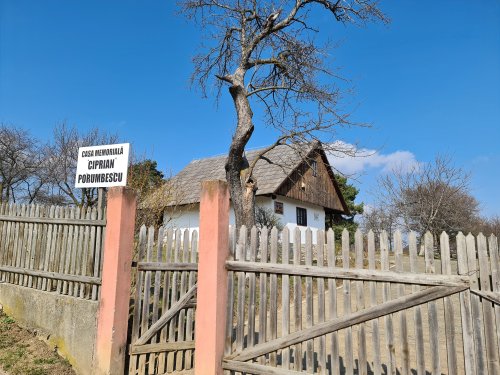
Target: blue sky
[428, 83]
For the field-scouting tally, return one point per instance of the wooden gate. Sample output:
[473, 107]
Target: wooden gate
[311, 306]
[164, 301]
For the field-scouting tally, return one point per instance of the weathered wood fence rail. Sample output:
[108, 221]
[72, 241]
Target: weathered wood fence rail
[332, 308]
[162, 336]
[55, 249]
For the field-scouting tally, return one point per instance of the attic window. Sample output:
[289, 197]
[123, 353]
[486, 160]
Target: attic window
[314, 167]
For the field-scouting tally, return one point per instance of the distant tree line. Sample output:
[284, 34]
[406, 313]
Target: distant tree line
[36, 171]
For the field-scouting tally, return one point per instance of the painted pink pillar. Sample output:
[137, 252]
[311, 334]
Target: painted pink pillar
[112, 318]
[212, 278]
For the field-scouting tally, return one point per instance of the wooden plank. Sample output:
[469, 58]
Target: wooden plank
[285, 297]
[64, 241]
[386, 296]
[137, 298]
[181, 321]
[332, 296]
[228, 346]
[417, 311]
[254, 368]
[16, 247]
[449, 313]
[78, 252]
[99, 245]
[495, 279]
[146, 302]
[320, 246]
[263, 290]
[346, 259]
[432, 308]
[166, 295]
[251, 289]
[52, 220]
[161, 347]
[85, 254]
[349, 274]
[490, 296]
[51, 275]
[466, 309]
[174, 298]
[166, 317]
[476, 307]
[377, 366]
[69, 246]
[400, 292]
[25, 256]
[156, 295]
[240, 307]
[273, 297]
[160, 266]
[488, 311]
[332, 325]
[297, 298]
[189, 361]
[309, 303]
[360, 305]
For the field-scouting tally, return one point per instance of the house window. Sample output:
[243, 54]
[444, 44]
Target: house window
[314, 167]
[301, 216]
[278, 207]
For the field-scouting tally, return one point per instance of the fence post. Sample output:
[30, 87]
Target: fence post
[112, 320]
[212, 278]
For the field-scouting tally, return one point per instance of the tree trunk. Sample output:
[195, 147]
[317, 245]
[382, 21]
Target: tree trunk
[241, 186]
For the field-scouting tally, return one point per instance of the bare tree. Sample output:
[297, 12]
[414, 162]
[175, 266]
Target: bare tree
[20, 160]
[431, 197]
[63, 157]
[378, 219]
[267, 54]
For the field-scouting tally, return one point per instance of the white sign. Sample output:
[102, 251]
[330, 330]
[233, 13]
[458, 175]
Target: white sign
[102, 166]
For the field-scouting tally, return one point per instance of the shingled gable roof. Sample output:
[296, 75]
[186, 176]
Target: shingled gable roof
[271, 171]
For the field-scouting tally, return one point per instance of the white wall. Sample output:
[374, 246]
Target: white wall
[189, 219]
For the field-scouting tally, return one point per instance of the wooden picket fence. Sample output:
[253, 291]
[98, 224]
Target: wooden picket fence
[54, 249]
[328, 308]
[164, 301]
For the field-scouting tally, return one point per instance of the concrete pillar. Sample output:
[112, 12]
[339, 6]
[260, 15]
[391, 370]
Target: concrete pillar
[212, 278]
[112, 318]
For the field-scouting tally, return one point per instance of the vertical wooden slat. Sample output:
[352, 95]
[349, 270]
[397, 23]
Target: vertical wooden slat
[78, 252]
[91, 253]
[495, 278]
[449, 314]
[432, 308]
[240, 308]
[309, 303]
[403, 333]
[377, 366]
[24, 246]
[16, 250]
[85, 253]
[61, 260]
[143, 358]
[297, 296]
[251, 289]
[488, 312]
[44, 254]
[320, 246]
[169, 242]
[190, 313]
[137, 299]
[69, 252]
[285, 297]
[174, 298]
[360, 305]
[273, 297]
[181, 331]
[228, 347]
[99, 241]
[332, 304]
[417, 311]
[477, 311]
[466, 309]
[386, 296]
[3, 244]
[263, 291]
[346, 259]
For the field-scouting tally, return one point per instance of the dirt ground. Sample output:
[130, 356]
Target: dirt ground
[22, 353]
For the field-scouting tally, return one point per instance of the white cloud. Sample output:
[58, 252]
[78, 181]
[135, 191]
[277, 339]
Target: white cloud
[351, 160]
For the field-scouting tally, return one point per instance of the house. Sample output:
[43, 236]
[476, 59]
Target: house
[295, 182]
